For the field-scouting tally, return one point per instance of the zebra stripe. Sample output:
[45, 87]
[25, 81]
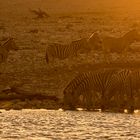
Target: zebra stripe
[62, 51]
[118, 82]
[79, 85]
[118, 90]
[98, 81]
[113, 85]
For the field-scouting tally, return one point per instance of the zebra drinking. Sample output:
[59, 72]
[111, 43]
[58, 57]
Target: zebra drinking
[98, 81]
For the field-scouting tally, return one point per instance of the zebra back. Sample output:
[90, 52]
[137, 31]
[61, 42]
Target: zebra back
[60, 51]
[80, 45]
[73, 84]
[81, 84]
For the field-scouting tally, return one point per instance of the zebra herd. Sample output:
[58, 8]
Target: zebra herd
[96, 42]
[102, 86]
[107, 85]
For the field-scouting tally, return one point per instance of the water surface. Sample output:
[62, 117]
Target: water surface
[49, 124]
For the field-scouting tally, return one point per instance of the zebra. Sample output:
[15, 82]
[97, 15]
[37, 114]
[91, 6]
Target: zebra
[124, 84]
[5, 48]
[118, 45]
[63, 51]
[119, 89]
[98, 81]
[133, 82]
[70, 97]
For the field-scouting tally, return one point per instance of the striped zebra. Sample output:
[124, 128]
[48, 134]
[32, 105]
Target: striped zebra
[123, 89]
[133, 82]
[118, 45]
[61, 51]
[118, 90]
[5, 48]
[70, 97]
[98, 81]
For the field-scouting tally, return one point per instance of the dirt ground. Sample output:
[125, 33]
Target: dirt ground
[69, 20]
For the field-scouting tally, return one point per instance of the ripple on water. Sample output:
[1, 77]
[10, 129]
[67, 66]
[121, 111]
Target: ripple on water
[42, 124]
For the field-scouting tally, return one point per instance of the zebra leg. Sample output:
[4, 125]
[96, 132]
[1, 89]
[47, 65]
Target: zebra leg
[103, 101]
[121, 101]
[88, 100]
[81, 101]
[130, 106]
[107, 56]
[69, 102]
[131, 98]
[124, 56]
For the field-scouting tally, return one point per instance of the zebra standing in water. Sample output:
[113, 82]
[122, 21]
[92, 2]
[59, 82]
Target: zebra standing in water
[62, 52]
[119, 89]
[70, 97]
[132, 82]
[98, 81]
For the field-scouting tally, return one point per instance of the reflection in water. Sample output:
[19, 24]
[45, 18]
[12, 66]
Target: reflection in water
[46, 124]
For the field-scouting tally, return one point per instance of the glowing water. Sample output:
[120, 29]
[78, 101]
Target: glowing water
[46, 124]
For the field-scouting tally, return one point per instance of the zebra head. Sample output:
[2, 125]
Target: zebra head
[95, 41]
[10, 44]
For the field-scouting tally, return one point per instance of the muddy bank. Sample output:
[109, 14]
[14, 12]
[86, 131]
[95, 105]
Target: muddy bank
[18, 104]
[20, 99]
